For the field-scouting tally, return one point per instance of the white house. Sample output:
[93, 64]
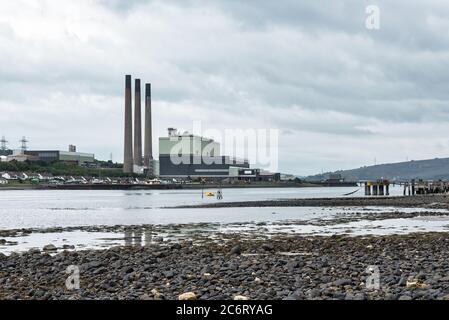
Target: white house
[5, 176]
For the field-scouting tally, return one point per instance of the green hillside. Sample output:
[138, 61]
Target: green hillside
[434, 169]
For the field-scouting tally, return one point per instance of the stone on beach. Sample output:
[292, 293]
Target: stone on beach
[156, 294]
[34, 251]
[415, 284]
[236, 250]
[50, 247]
[267, 247]
[187, 296]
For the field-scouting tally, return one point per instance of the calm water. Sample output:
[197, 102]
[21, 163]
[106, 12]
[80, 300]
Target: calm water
[62, 208]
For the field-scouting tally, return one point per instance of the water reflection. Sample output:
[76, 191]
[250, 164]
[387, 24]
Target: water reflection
[61, 208]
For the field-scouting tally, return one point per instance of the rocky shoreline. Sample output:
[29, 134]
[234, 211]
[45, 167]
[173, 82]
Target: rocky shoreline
[435, 201]
[346, 215]
[411, 266]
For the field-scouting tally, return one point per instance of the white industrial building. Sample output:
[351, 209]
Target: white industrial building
[187, 155]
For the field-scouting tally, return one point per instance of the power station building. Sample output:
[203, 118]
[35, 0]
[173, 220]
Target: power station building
[180, 155]
[190, 156]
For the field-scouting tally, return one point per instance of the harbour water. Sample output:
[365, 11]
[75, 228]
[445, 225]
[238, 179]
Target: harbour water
[40, 209]
[64, 208]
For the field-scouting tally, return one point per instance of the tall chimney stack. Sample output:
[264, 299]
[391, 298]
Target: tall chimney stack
[137, 125]
[128, 149]
[148, 129]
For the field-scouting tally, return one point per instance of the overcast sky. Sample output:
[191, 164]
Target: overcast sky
[340, 94]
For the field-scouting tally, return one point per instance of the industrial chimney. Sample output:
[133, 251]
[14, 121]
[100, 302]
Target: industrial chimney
[137, 125]
[148, 129]
[128, 147]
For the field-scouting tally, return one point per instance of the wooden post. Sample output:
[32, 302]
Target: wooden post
[367, 189]
[203, 181]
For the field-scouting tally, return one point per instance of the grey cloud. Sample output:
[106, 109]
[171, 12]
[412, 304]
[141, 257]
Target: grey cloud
[122, 6]
[254, 61]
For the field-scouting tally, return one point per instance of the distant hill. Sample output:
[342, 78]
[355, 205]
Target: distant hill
[434, 169]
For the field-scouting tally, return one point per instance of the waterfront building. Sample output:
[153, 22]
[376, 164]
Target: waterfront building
[187, 155]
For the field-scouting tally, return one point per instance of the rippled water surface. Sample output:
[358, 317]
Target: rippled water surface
[47, 208]
[62, 208]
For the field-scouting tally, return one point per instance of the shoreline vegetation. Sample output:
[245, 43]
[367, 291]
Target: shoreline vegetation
[104, 168]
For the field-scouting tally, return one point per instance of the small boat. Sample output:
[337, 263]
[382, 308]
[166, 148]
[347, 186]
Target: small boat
[210, 194]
